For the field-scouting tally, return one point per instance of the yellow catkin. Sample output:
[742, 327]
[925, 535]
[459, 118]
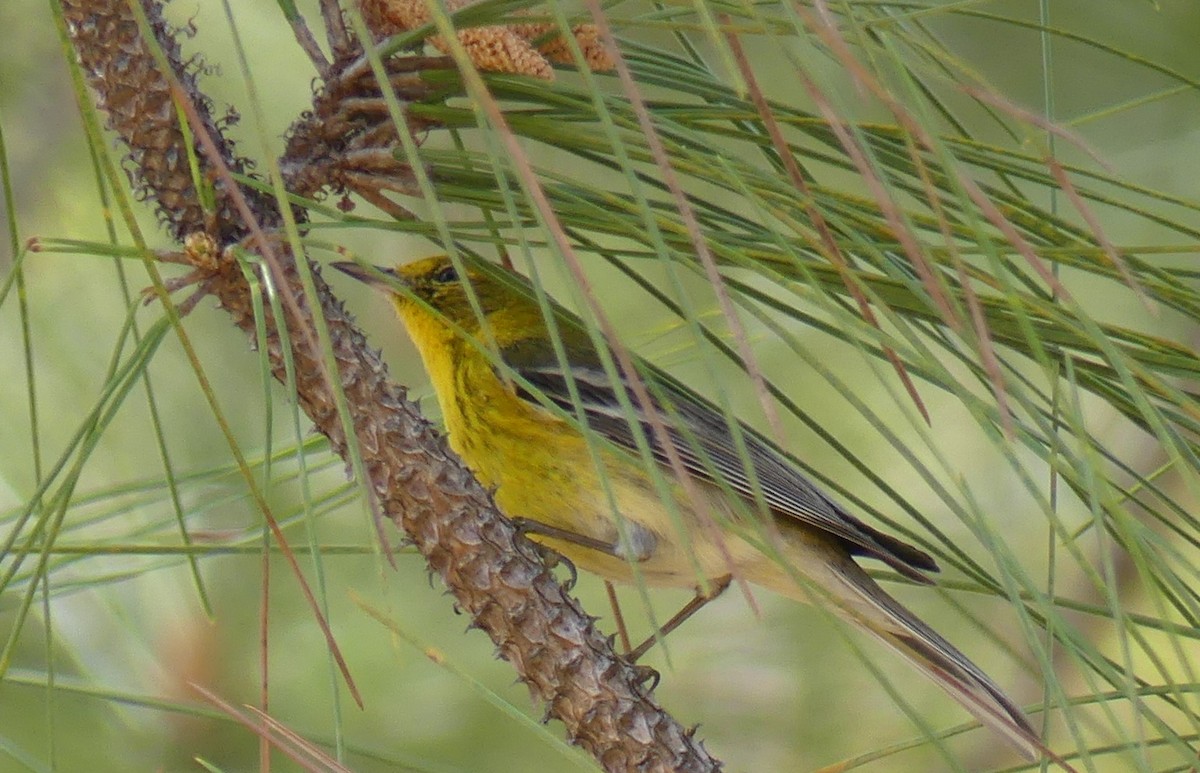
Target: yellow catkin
[507, 48]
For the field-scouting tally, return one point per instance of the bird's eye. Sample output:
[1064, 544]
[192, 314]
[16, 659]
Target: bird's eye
[446, 275]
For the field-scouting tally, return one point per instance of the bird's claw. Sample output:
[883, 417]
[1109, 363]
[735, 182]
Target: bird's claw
[549, 557]
[646, 674]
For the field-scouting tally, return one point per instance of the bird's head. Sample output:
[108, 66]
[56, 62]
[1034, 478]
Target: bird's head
[434, 288]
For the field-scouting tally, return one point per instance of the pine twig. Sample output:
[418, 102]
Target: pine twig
[494, 574]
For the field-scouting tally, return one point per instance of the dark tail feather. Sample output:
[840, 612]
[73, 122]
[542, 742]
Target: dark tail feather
[957, 675]
[866, 604]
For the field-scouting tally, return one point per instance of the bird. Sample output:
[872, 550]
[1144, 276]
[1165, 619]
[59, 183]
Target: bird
[516, 389]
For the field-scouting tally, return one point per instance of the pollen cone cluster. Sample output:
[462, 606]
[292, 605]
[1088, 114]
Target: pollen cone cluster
[523, 49]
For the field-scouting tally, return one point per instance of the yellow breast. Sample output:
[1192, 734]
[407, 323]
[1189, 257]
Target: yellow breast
[542, 469]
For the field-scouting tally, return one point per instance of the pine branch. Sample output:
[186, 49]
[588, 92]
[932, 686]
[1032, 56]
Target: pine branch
[494, 573]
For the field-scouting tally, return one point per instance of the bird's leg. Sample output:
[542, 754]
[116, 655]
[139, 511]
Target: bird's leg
[701, 598]
[634, 542]
[618, 618]
[645, 543]
[526, 526]
[549, 557]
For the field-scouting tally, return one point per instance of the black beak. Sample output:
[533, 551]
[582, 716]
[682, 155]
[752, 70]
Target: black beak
[365, 275]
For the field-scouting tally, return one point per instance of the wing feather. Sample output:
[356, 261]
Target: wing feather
[705, 443]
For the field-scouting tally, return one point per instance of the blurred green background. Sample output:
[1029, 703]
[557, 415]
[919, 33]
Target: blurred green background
[776, 691]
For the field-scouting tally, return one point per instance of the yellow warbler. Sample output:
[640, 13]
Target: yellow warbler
[500, 421]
